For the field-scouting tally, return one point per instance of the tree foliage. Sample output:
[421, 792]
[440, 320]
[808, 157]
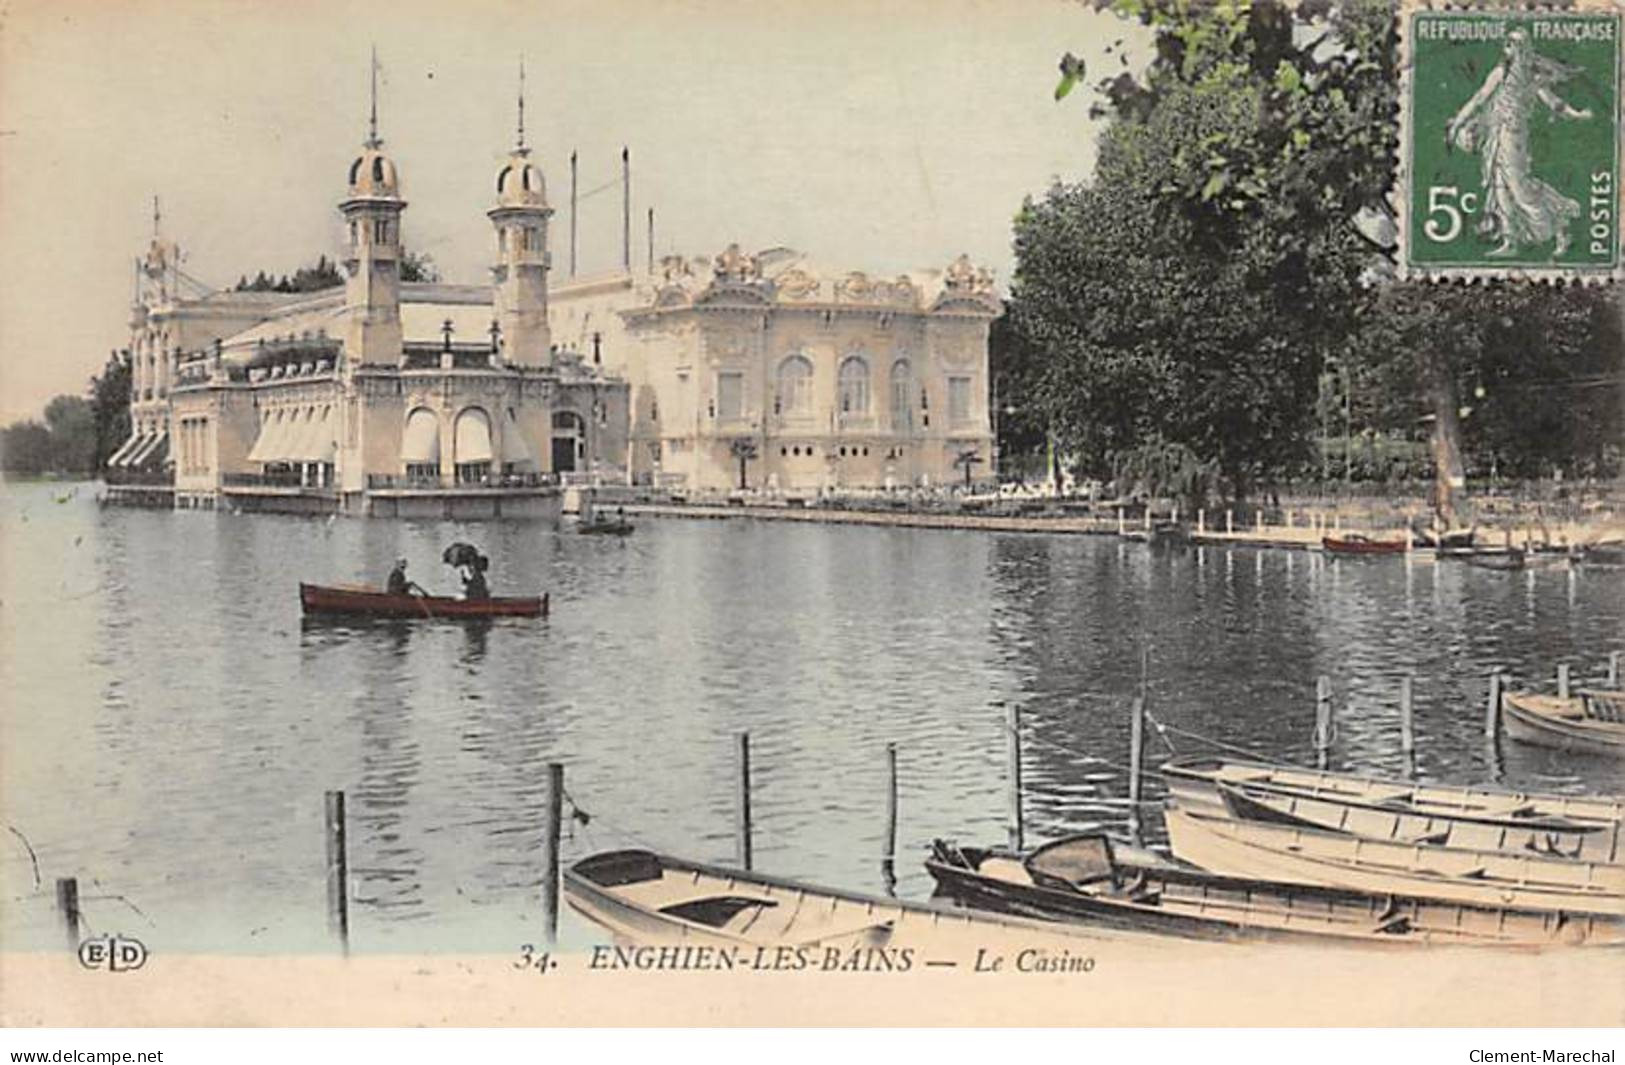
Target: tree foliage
[65, 443]
[110, 406]
[1224, 264]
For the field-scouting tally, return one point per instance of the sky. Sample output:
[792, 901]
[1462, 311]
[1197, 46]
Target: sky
[874, 136]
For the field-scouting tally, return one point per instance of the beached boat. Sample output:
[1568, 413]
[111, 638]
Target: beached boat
[1609, 555]
[648, 898]
[358, 601]
[1478, 877]
[1085, 879]
[1193, 785]
[1589, 722]
[1354, 544]
[1509, 833]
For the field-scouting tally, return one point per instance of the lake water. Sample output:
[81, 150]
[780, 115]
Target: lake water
[169, 724]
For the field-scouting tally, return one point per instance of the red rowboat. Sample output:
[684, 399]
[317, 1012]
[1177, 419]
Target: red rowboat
[1359, 545]
[321, 599]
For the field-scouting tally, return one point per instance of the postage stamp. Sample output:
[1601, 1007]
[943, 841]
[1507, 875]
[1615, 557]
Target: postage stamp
[1510, 145]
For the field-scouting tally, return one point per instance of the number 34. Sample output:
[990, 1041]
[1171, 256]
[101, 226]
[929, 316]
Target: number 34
[1440, 199]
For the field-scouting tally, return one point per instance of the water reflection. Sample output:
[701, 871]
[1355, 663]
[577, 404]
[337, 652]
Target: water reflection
[174, 730]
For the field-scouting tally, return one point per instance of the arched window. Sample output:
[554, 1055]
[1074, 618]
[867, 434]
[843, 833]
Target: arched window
[853, 383]
[420, 444]
[795, 395]
[902, 395]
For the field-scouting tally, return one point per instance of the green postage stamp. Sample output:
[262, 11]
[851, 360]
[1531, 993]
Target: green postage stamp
[1510, 146]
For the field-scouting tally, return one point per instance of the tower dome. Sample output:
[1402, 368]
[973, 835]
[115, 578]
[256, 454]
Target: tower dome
[520, 183]
[372, 174]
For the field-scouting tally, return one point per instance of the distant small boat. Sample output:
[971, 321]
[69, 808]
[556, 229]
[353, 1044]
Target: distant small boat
[1354, 544]
[1589, 722]
[1609, 554]
[1084, 879]
[746, 918]
[1458, 874]
[606, 527]
[1449, 541]
[369, 602]
[1512, 558]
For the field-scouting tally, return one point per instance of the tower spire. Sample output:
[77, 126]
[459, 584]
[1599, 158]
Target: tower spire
[156, 217]
[372, 122]
[521, 147]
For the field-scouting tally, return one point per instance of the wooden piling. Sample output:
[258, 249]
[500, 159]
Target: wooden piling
[1012, 742]
[1562, 680]
[742, 823]
[67, 904]
[1323, 720]
[338, 870]
[553, 823]
[1407, 714]
[1136, 759]
[1492, 707]
[1122, 524]
[1613, 670]
[1229, 521]
[1201, 521]
[889, 851]
[1146, 518]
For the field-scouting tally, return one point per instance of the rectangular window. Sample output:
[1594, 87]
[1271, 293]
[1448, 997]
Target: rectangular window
[730, 396]
[380, 231]
[959, 399]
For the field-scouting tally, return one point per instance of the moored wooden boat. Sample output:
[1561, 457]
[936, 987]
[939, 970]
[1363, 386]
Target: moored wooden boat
[1583, 840]
[1083, 879]
[1311, 856]
[1193, 785]
[1355, 544]
[1587, 722]
[1508, 559]
[648, 898]
[369, 602]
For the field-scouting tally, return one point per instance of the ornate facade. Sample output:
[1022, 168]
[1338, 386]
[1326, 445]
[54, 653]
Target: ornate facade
[384, 397]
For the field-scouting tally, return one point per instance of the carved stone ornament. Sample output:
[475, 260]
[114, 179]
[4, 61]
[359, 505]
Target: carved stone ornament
[855, 287]
[674, 268]
[961, 275]
[797, 284]
[736, 266]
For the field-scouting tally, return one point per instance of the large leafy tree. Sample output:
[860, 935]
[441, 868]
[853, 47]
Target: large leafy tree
[110, 406]
[1189, 293]
[1229, 257]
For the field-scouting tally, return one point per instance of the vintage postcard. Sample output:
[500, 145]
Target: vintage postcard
[822, 513]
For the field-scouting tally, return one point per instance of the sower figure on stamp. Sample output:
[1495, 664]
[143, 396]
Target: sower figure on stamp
[1519, 208]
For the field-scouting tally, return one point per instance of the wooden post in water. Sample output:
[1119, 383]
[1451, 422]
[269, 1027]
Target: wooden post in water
[1012, 744]
[1201, 521]
[67, 904]
[1407, 715]
[553, 823]
[1136, 758]
[888, 854]
[1562, 680]
[1492, 707]
[742, 804]
[1613, 670]
[1175, 517]
[338, 870]
[1122, 526]
[1146, 518]
[1323, 720]
[1229, 521]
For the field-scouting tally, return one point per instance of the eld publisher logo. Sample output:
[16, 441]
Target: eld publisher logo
[116, 954]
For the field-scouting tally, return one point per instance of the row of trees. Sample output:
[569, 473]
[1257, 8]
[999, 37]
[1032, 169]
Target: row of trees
[1220, 295]
[325, 274]
[78, 434]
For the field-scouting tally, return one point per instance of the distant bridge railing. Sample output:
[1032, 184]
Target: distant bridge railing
[494, 482]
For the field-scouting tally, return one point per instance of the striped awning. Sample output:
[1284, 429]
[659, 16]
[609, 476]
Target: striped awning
[473, 437]
[270, 444]
[118, 457]
[149, 448]
[313, 439]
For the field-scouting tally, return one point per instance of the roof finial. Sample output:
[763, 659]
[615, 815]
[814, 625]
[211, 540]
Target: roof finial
[372, 124]
[156, 216]
[521, 103]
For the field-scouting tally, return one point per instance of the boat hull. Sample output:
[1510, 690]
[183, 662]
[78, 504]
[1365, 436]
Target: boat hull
[316, 599]
[1336, 546]
[1562, 724]
[1307, 856]
[1193, 904]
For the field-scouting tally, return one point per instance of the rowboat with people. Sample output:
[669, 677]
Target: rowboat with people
[364, 601]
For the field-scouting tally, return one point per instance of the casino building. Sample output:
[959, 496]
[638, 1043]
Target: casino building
[394, 398]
